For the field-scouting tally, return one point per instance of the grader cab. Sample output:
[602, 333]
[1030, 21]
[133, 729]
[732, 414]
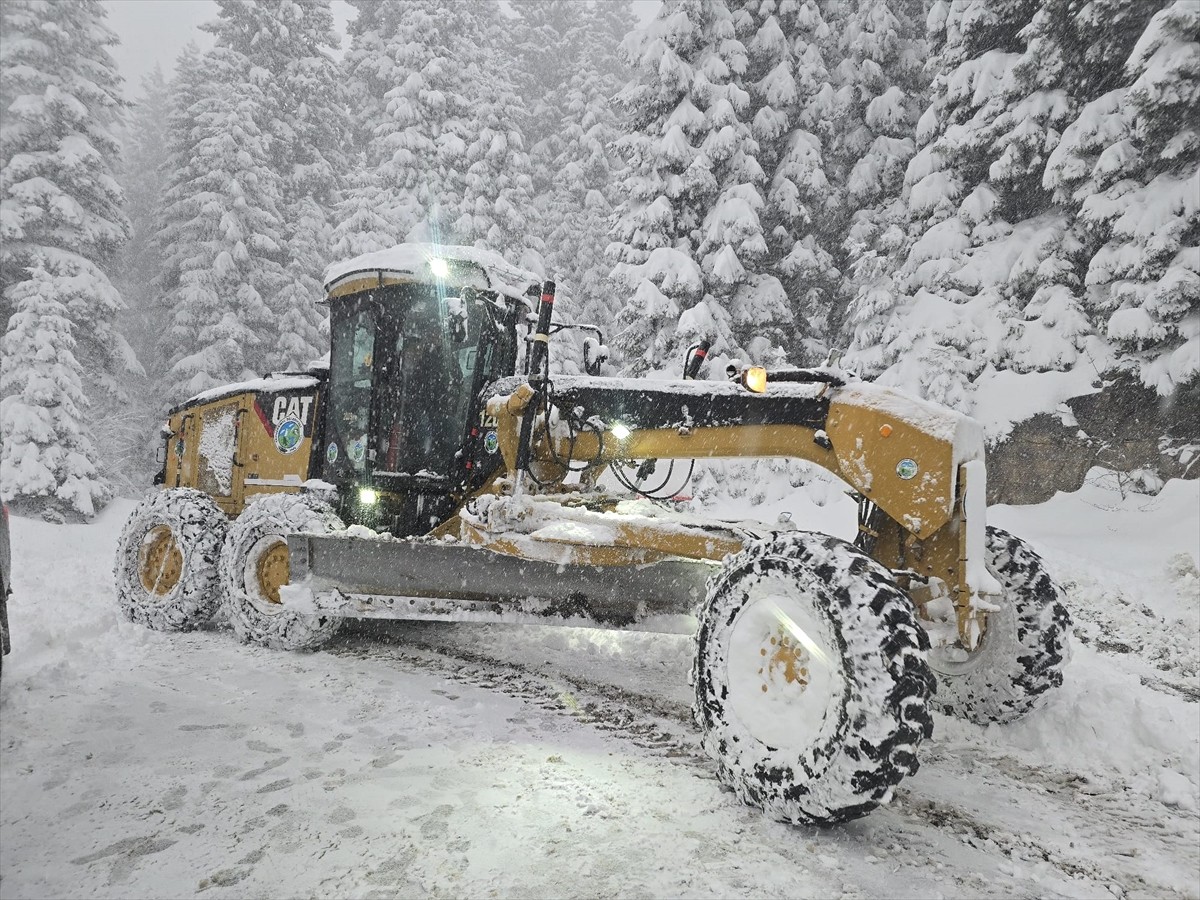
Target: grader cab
[438, 470]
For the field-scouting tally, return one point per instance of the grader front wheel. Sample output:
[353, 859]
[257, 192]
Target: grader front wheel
[271, 568]
[254, 566]
[810, 678]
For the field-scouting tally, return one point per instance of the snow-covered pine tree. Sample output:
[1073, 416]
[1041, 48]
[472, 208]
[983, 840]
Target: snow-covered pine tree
[991, 276]
[175, 208]
[791, 113]
[682, 122]
[48, 461]
[726, 124]
[985, 278]
[731, 243]
[789, 80]
[300, 326]
[222, 226]
[932, 337]
[123, 427]
[138, 267]
[380, 200]
[1128, 166]
[495, 194]
[568, 70]
[879, 51]
[654, 233]
[60, 102]
[1071, 56]
[370, 214]
[287, 47]
[370, 71]
[313, 163]
[446, 144]
[60, 204]
[361, 226]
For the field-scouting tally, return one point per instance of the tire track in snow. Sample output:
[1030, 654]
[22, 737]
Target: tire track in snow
[1066, 803]
[1082, 828]
[659, 726]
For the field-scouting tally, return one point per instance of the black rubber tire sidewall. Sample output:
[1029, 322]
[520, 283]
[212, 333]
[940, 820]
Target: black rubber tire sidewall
[1026, 645]
[280, 515]
[883, 714]
[198, 526]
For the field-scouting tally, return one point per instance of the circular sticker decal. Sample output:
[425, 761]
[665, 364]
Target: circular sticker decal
[906, 468]
[491, 442]
[358, 449]
[331, 452]
[288, 435]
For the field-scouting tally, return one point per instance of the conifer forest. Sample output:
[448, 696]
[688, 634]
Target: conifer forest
[992, 203]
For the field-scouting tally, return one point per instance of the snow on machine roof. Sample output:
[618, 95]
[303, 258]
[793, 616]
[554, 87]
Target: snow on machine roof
[457, 266]
[273, 383]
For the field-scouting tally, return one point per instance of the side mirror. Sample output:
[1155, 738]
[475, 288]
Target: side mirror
[594, 353]
[456, 319]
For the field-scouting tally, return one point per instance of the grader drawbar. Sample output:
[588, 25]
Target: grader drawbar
[436, 470]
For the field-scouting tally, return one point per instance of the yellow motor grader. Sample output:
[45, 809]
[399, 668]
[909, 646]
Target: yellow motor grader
[436, 470]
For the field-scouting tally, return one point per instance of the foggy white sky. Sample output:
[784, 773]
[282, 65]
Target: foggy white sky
[154, 31]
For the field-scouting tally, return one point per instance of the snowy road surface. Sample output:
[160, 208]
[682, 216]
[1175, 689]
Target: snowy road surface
[433, 760]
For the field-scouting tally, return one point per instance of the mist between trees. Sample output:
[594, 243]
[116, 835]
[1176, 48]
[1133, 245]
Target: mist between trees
[949, 192]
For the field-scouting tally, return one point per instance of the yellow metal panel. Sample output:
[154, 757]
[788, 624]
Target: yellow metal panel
[256, 455]
[562, 552]
[868, 461]
[187, 467]
[173, 471]
[369, 283]
[866, 447]
[676, 542]
[733, 441]
[267, 468]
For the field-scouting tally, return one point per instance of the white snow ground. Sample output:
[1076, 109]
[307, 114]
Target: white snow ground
[433, 760]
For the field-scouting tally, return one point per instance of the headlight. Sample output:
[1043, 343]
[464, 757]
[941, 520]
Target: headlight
[439, 267]
[619, 431]
[367, 496]
[755, 379]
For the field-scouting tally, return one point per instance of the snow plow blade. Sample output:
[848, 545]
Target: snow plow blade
[436, 580]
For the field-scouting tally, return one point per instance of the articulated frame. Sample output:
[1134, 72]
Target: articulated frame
[906, 457]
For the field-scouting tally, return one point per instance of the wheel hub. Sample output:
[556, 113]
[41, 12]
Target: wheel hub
[273, 571]
[786, 663]
[947, 655]
[785, 681]
[160, 561]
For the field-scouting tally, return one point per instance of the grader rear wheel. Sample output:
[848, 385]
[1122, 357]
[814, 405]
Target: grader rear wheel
[166, 565]
[160, 561]
[810, 678]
